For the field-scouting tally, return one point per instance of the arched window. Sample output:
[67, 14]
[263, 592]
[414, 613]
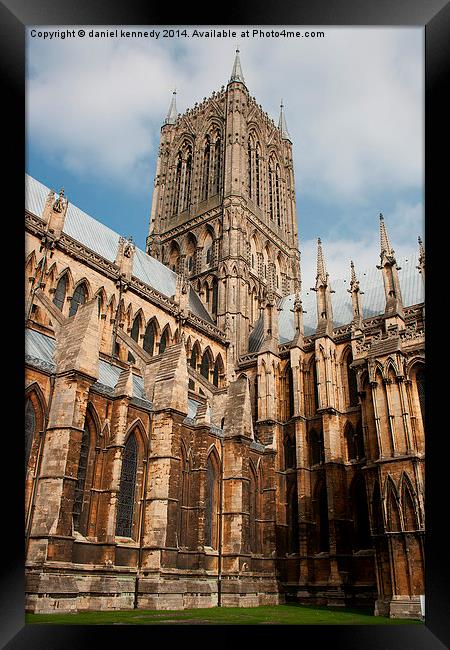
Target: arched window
[271, 188]
[126, 496]
[217, 165]
[278, 194]
[206, 163]
[351, 382]
[218, 371]
[350, 440]
[317, 453]
[394, 523]
[135, 329]
[292, 515]
[214, 297]
[183, 526]
[211, 501]
[177, 189]
[249, 167]
[324, 534]
[409, 513]
[359, 442]
[60, 292]
[79, 298]
[258, 174]
[194, 358]
[289, 452]
[164, 341]
[205, 365]
[252, 510]
[149, 338]
[420, 380]
[361, 525]
[315, 387]
[187, 180]
[30, 428]
[81, 475]
[377, 511]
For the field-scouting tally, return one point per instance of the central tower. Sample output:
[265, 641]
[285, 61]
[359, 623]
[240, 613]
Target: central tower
[223, 211]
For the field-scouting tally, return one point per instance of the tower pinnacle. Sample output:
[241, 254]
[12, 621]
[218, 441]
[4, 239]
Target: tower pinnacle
[282, 124]
[172, 113]
[236, 73]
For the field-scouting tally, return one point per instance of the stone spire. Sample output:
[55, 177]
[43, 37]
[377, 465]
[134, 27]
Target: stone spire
[236, 73]
[172, 113]
[356, 298]
[322, 275]
[323, 292]
[282, 124]
[385, 244]
[389, 268]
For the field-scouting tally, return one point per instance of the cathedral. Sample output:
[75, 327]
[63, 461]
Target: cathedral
[200, 429]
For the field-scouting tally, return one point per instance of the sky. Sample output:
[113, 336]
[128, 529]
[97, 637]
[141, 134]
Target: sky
[353, 101]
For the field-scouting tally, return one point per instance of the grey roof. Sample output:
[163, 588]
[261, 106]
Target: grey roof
[373, 301]
[102, 240]
[42, 347]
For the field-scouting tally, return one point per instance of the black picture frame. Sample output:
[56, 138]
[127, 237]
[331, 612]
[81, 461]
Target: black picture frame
[434, 16]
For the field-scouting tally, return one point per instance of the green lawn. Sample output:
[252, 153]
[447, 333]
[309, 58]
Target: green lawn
[292, 614]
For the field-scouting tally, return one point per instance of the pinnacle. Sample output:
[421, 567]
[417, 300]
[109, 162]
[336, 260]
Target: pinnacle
[236, 73]
[282, 124]
[385, 244]
[172, 113]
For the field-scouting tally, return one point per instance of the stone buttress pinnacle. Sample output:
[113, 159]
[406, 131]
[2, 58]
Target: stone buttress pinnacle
[322, 274]
[384, 240]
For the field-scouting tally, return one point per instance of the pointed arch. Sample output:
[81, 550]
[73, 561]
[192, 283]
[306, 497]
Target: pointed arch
[321, 516]
[393, 507]
[195, 355]
[206, 363]
[254, 509]
[130, 481]
[349, 436]
[409, 510]
[137, 326]
[184, 499]
[174, 257]
[218, 372]
[189, 251]
[35, 416]
[100, 294]
[151, 333]
[361, 524]
[316, 447]
[377, 510]
[80, 296]
[60, 294]
[81, 502]
[165, 339]
[212, 478]
[290, 460]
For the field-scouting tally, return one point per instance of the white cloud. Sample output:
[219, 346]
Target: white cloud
[353, 103]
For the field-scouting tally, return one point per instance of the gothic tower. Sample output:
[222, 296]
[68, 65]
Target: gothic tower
[223, 211]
